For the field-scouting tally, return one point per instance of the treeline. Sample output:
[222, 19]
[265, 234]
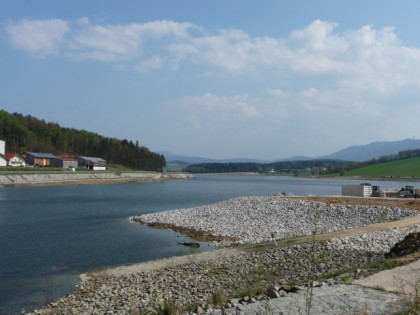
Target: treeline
[314, 166]
[27, 133]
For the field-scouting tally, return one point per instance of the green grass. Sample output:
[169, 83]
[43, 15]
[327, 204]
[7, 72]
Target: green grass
[402, 168]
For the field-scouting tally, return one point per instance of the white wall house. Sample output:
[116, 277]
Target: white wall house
[2, 147]
[3, 160]
[16, 160]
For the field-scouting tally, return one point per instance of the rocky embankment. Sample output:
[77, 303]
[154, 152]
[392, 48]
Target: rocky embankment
[256, 277]
[257, 219]
[259, 277]
[86, 178]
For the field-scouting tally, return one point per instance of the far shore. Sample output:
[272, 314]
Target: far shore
[362, 178]
[93, 178]
[17, 178]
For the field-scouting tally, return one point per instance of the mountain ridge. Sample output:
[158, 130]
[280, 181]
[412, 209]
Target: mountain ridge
[355, 153]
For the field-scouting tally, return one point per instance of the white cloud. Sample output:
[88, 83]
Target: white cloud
[153, 63]
[319, 77]
[38, 37]
[365, 59]
[226, 106]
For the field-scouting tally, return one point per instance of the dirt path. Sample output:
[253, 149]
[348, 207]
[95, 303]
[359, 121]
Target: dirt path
[403, 279]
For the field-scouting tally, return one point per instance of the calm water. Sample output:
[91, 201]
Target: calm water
[49, 235]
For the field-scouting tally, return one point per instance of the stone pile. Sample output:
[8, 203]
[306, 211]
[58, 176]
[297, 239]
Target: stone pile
[196, 281]
[256, 219]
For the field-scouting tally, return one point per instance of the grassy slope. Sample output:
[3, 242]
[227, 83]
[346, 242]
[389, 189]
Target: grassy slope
[401, 168]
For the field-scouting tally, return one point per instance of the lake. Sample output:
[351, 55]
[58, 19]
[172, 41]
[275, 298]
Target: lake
[51, 234]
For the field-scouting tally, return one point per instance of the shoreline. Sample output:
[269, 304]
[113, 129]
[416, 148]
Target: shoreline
[194, 278]
[94, 178]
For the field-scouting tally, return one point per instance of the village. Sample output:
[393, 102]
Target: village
[40, 159]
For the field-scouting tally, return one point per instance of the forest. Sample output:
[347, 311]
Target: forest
[29, 134]
[314, 167]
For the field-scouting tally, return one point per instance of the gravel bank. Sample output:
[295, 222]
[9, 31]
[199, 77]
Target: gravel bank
[196, 280]
[254, 219]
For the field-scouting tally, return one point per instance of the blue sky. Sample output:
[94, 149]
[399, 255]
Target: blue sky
[218, 79]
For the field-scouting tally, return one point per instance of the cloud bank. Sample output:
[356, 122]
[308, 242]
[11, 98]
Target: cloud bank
[315, 78]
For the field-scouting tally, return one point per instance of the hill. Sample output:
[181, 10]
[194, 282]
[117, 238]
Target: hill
[400, 168]
[172, 157]
[359, 153]
[374, 150]
[27, 133]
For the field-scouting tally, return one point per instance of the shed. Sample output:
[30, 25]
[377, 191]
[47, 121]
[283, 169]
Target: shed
[361, 190]
[40, 159]
[92, 163]
[64, 162]
[16, 160]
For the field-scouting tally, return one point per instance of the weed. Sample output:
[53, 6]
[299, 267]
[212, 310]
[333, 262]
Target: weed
[384, 217]
[190, 308]
[410, 297]
[314, 262]
[218, 298]
[168, 308]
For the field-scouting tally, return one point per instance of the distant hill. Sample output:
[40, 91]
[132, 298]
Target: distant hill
[374, 150]
[296, 158]
[358, 153]
[27, 133]
[170, 157]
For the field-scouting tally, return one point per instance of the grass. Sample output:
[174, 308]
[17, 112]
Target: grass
[401, 168]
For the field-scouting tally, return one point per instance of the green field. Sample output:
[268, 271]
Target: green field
[401, 168]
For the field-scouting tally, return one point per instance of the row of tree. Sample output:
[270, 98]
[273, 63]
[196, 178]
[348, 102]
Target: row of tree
[316, 167]
[27, 133]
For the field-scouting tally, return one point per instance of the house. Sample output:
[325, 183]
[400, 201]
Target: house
[3, 160]
[2, 147]
[16, 160]
[92, 163]
[64, 162]
[39, 159]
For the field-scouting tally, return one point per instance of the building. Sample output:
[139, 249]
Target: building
[92, 163]
[2, 147]
[3, 160]
[15, 160]
[64, 162]
[39, 159]
[361, 190]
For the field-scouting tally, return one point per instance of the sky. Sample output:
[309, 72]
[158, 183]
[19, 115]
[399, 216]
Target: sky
[232, 79]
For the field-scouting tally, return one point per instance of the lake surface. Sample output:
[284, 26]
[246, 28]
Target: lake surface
[49, 235]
